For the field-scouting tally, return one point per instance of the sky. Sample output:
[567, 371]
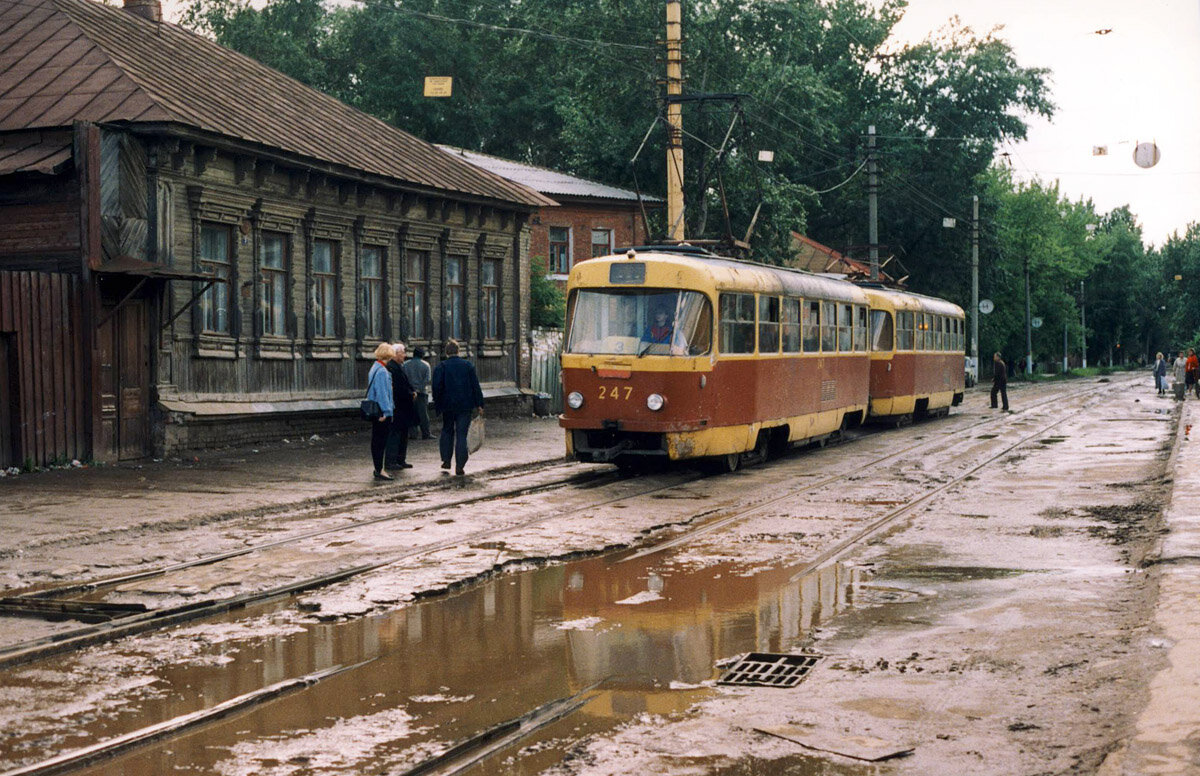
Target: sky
[1138, 83]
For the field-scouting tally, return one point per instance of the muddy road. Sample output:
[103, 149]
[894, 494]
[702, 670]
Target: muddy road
[978, 591]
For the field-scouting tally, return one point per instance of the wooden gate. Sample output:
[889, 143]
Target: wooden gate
[123, 345]
[546, 365]
[8, 403]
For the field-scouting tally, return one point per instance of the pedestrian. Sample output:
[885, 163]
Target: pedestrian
[999, 380]
[402, 416]
[1193, 371]
[379, 390]
[1179, 373]
[456, 394]
[1160, 373]
[418, 372]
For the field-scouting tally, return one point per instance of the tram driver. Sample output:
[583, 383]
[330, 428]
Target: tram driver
[659, 332]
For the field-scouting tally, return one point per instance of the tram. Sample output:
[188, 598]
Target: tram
[916, 355]
[674, 353]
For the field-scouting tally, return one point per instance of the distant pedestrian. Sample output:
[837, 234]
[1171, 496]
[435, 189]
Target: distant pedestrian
[1160, 373]
[403, 416]
[419, 375]
[1193, 372]
[999, 380]
[379, 389]
[456, 394]
[1179, 374]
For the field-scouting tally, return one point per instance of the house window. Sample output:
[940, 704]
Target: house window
[324, 288]
[489, 283]
[456, 308]
[601, 242]
[560, 250]
[416, 293]
[272, 299]
[215, 250]
[371, 271]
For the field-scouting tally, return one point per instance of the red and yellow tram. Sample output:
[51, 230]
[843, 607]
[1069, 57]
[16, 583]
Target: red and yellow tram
[678, 354]
[916, 355]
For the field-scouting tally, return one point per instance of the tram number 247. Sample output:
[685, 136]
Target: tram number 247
[620, 392]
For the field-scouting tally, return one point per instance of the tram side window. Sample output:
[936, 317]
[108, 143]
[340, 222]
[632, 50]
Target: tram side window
[768, 324]
[919, 321]
[790, 325]
[904, 330]
[829, 327]
[811, 326]
[959, 342]
[737, 323]
[860, 328]
[945, 333]
[937, 332]
[881, 330]
[845, 328]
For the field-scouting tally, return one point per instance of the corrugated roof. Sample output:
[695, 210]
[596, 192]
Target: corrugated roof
[34, 152]
[546, 181]
[71, 60]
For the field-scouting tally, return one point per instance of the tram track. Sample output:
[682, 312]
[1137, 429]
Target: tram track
[156, 619]
[469, 756]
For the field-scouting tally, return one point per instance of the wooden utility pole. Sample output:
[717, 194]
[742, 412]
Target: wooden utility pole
[975, 281]
[675, 225]
[872, 204]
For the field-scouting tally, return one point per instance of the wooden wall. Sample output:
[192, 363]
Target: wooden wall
[39, 318]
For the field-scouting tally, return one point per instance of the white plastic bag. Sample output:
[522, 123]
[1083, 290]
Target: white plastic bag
[475, 435]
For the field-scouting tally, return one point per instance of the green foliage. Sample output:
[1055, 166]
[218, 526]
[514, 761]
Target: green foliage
[547, 305]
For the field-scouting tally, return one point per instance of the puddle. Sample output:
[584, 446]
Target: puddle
[447, 668]
[954, 573]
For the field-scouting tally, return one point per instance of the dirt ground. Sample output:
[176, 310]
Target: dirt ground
[1038, 617]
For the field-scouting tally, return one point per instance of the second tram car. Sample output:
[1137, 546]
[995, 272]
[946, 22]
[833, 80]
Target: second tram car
[916, 355]
[678, 354]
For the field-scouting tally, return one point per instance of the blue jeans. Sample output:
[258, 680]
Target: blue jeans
[454, 436]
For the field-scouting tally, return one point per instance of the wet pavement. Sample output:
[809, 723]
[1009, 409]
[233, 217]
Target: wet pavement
[1025, 623]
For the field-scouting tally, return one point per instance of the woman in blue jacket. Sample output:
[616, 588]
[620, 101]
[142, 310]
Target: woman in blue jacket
[379, 388]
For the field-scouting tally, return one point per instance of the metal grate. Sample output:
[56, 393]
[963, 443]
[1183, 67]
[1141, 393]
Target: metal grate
[768, 669]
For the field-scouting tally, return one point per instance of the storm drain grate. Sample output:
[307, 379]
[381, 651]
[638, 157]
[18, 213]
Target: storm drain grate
[768, 669]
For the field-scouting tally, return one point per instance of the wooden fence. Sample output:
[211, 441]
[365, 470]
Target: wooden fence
[546, 368]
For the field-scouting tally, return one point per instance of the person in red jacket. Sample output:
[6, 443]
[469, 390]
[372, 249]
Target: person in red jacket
[1193, 372]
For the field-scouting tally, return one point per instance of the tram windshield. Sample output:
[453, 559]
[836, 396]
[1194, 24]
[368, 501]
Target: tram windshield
[641, 322]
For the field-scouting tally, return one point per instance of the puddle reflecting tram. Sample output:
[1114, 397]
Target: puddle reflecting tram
[678, 354]
[917, 345]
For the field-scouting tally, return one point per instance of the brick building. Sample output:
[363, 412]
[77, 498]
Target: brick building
[591, 219]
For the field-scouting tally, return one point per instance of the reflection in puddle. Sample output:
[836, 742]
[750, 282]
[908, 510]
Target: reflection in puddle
[648, 633]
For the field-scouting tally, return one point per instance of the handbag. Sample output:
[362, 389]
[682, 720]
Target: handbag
[475, 433]
[369, 409]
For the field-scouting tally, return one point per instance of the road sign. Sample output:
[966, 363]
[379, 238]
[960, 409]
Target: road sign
[986, 306]
[1036, 323]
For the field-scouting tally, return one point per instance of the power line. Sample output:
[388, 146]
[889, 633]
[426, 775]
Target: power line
[521, 30]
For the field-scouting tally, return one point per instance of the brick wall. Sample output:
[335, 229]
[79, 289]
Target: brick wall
[625, 222]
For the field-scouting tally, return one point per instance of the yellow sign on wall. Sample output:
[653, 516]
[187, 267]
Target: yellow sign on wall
[438, 85]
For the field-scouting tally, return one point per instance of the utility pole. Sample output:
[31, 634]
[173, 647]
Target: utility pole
[975, 281]
[1083, 323]
[1028, 324]
[675, 226]
[1065, 365]
[872, 204]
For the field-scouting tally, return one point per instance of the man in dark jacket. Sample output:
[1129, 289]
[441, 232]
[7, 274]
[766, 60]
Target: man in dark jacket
[456, 394]
[403, 416]
[999, 380]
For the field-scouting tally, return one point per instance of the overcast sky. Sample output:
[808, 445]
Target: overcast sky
[1138, 83]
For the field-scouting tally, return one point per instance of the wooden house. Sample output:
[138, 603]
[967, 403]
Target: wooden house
[196, 250]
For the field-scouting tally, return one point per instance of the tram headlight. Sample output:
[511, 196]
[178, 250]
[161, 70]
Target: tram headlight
[574, 400]
[655, 402]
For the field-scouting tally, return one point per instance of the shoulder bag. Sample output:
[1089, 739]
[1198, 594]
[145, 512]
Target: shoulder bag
[369, 409]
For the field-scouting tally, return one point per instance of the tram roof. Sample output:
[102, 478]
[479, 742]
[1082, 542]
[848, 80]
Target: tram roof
[729, 274]
[908, 300]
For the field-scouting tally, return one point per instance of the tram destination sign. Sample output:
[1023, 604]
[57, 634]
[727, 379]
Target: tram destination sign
[627, 273]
